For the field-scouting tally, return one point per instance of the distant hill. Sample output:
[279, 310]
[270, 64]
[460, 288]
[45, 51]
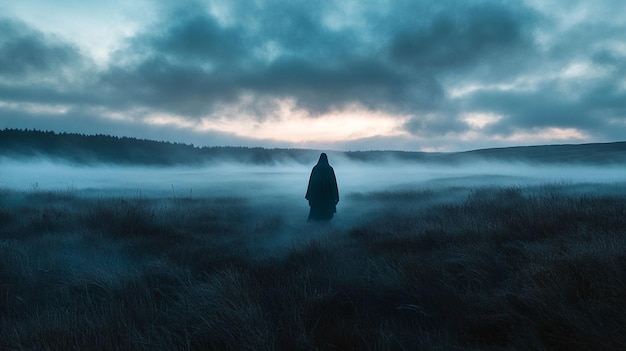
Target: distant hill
[90, 149]
[596, 153]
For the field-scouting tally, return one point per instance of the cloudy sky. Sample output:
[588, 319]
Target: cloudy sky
[441, 75]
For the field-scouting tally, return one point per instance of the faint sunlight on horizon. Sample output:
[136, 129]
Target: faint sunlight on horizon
[292, 125]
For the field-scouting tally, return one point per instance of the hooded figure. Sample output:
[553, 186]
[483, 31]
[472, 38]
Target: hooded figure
[322, 191]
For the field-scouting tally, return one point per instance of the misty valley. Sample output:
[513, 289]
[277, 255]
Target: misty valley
[432, 256]
[325, 175]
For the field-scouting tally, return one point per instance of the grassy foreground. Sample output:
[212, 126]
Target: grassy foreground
[513, 268]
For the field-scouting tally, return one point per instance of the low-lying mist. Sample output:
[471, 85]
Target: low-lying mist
[279, 189]
[287, 179]
[462, 256]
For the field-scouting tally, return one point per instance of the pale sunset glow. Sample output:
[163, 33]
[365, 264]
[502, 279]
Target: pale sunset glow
[336, 74]
[292, 125]
[327, 128]
[480, 120]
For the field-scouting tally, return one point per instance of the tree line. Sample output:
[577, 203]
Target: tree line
[100, 148]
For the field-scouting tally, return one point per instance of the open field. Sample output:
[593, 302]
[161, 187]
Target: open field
[473, 262]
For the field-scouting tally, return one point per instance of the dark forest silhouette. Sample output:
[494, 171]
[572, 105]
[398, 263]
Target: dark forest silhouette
[88, 149]
[91, 149]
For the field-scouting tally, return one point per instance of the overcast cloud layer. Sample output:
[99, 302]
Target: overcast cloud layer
[442, 75]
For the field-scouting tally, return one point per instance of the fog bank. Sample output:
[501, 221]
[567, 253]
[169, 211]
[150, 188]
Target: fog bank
[273, 196]
[288, 179]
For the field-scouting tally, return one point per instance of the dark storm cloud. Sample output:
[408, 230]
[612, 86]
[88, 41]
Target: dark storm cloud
[439, 124]
[593, 105]
[399, 57]
[42, 69]
[199, 39]
[196, 63]
[609, 94]
[161, 84]
[318, 87]
[24, 51]
[186, 66]
[49, 94]
[189, 62]
[463, 37]
[528, 110]
[193, 62]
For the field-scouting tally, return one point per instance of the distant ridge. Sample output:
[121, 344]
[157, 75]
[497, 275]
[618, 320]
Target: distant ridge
[90, 149]
[590, 153]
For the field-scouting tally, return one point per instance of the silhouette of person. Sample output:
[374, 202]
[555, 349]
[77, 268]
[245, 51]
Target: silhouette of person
[322, 191]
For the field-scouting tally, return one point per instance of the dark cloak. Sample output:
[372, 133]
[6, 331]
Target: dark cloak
[322, 192]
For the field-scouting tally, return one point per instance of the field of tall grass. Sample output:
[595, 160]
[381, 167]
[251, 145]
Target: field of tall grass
[451, 268]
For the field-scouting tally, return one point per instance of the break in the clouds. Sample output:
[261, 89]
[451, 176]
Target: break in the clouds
[418, 75]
